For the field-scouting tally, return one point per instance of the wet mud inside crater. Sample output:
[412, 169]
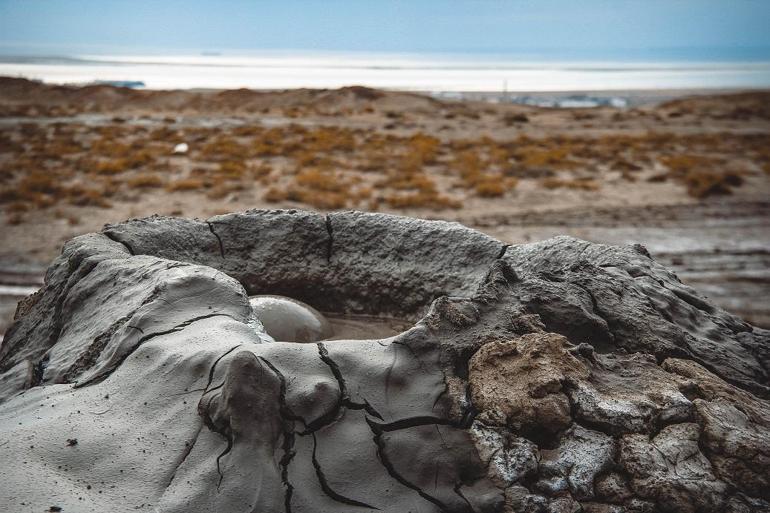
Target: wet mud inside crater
[289, 320]
[362, 327]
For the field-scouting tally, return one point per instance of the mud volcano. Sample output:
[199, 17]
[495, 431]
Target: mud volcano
[558, 376]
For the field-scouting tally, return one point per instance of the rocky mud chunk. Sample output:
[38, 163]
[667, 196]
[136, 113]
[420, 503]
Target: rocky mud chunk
[581, 455]
[630, 394]
[521, 383]
[672, 471]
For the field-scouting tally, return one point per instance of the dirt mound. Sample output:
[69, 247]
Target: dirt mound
[740, 106]
[556, 376]
[19, 95]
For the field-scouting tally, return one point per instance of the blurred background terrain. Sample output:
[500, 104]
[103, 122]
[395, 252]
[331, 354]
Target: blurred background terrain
[614, 122]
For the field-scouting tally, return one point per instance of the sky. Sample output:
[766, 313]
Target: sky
[561, 28]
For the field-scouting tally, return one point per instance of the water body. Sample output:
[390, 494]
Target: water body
[437, 73]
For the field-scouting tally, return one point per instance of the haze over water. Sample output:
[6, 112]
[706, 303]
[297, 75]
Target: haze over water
[273, 69]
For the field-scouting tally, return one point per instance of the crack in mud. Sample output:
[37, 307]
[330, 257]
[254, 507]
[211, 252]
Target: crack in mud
[411, 422]
[57, 321]
[107, 371]
[325, 485]
[38, 370]
[344, 395]
[223, 454]
[214, 366]
[114, 238]
[330, 242]
[219, 239]
[288, 455]
[288, 417]
[88, 358]
[391, 469]
[187, 450]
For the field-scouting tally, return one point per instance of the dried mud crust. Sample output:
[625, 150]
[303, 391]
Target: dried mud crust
[556, 376]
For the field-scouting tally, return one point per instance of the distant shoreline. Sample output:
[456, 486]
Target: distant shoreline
[448, 74]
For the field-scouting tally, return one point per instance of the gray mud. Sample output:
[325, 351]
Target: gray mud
[560, 375]
[719, 247]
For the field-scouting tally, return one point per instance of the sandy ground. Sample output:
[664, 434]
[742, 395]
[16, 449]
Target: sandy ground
[719, 243]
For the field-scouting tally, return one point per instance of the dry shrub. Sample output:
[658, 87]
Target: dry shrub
[330, 139]
[320, 189]
[145, 181]
[220, 189]
[111, 167]
[305, 158]
[269, 143]
[274, 195]
[8, 194]
[317, 180]
[683, 163]
[626, 175]
[225, 148]
[8, 145]
[553, 157]
[39, 182]
[232, 169]
[42, 200]
[468, 164]
[7, 170]
[709, 183]
[106, 147]
[185, 184]
[362, 193]
[60, 147]
[421, 199]
[318, 199]
[247, 130]
[37, 189]
[513, 118]
[163, 134]
[324, 200]
[493, 186]
[407, 181]
[423, 148]
[16, 207]
[261, 171]
[581, 115]
[84, 196]
[584, 184]
[139, 158]
[498, 155]
[621, 164]
[701, 175]
[132, 160]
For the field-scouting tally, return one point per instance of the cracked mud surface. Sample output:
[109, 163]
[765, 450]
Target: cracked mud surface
[557, 376]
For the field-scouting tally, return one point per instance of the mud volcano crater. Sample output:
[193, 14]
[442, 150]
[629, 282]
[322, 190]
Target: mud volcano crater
[555, 376]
